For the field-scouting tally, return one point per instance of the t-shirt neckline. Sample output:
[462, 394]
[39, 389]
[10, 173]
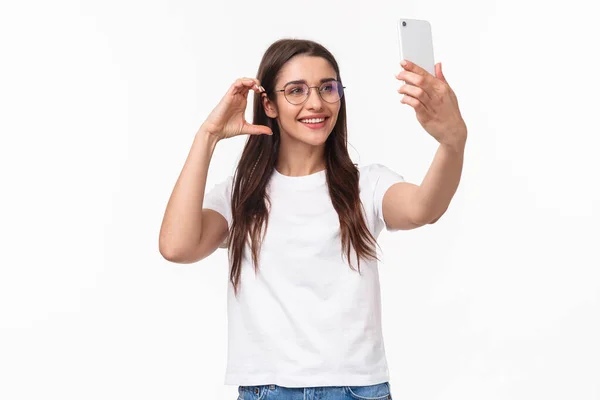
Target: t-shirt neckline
[300, 182]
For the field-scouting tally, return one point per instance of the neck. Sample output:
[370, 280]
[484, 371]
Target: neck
[300, 158]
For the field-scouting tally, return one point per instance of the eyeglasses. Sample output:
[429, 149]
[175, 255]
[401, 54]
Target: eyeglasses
[297, 93]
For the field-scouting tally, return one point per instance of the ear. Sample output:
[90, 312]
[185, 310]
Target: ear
[269, 107]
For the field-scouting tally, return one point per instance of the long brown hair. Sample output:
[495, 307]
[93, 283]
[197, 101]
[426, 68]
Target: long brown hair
[259, 157]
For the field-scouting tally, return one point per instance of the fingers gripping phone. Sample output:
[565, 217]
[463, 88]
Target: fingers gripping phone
[416, 43]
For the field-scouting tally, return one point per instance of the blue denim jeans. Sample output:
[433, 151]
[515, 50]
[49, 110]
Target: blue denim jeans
[379, 391]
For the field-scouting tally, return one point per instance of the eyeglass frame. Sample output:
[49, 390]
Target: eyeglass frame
[311, 87]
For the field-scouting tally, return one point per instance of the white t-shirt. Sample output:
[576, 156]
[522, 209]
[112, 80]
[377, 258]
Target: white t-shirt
[306, 318]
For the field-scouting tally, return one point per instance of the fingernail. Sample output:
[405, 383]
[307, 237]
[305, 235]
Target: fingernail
[403, 63]
[262, 88]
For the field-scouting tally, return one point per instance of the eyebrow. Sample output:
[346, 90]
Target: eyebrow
[304, 81]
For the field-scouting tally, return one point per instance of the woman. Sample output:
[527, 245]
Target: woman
[300, 221]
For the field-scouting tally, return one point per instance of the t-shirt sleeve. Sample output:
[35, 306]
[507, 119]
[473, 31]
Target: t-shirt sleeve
[382, 178]
[218, 198]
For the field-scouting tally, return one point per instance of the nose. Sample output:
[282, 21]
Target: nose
[314, 102]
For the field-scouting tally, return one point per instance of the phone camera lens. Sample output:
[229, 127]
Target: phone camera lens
[403, 23]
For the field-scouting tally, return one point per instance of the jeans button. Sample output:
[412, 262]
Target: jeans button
[256, 390]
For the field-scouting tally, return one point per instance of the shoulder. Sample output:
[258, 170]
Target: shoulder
[366, 170]
[376, 179]
[224, 185]
[218, 195]
[373, 172]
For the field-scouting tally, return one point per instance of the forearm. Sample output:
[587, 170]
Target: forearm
[441, 181]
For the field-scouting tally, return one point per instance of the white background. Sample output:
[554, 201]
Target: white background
[99, 104]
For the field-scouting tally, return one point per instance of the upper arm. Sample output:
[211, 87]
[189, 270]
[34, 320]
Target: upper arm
[400, 210]
[213, 233]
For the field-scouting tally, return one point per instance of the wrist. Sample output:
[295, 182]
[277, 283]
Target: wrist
[457, 142]
[205, 135]
[456, 146]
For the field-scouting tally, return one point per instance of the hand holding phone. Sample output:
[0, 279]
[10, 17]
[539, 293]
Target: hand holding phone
[438, 114]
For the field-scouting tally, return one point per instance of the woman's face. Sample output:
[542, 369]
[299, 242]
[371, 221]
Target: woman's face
[312, 70]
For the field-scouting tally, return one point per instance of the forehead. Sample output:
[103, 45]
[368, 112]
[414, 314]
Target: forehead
[310, 68]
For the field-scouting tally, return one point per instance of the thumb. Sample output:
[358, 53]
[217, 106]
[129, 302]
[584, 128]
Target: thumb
[438, 72]
[258, 130]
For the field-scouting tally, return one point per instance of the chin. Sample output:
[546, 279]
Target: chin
[316, 138]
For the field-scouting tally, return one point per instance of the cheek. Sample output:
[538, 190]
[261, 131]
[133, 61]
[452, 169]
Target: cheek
[288, 117]
[288, 122]
[334, 115]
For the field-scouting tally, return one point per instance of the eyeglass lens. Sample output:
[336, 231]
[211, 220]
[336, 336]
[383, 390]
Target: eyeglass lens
[330, 92]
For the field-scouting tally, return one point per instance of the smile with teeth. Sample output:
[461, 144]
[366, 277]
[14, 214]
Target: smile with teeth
[312, 120]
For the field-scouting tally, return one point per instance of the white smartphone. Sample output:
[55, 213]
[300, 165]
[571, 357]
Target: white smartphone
[416, 43]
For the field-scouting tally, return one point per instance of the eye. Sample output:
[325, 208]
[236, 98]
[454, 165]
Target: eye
[295, 90]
